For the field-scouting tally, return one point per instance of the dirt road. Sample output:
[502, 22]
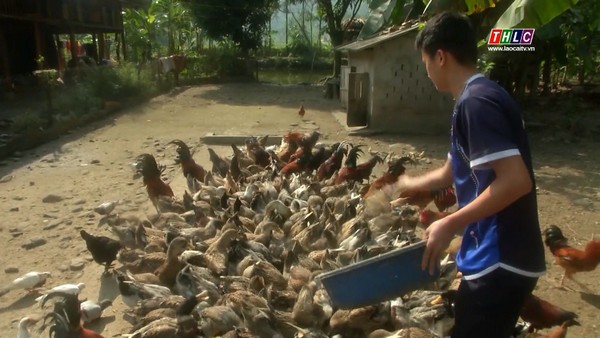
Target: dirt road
[49, 192]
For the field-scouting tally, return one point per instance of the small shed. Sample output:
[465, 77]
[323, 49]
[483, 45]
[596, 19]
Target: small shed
[385, 86]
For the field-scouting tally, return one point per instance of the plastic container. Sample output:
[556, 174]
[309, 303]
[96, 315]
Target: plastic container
[378, 279]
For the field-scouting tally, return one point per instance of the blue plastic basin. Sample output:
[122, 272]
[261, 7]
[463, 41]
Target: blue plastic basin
[378, 279]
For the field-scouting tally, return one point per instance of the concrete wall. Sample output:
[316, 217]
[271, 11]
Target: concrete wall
[402, 98]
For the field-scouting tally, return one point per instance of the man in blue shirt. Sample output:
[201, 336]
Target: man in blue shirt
[502, 254]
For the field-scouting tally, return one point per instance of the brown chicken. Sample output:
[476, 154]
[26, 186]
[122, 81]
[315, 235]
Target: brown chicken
[426, 216]
[188, 165]
[155, 186]
[571, 259]
[353, 172]
[301, 112]
[542, 314]
[332, 164]
[305, 144]
[297, 166]
[257, 153]
[442, 198]
[395, 169]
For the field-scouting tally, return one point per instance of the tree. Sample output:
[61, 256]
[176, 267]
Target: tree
[242, 21]
[334, 13]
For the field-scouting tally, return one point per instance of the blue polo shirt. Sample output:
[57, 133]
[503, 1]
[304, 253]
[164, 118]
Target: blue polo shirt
[487, 126]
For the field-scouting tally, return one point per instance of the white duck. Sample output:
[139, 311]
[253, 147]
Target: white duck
[91, 310]
[28, 281]
[72, 289]
[24, 325]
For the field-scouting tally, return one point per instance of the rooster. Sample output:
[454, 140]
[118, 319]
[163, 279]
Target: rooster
[219, 165]
[353, 172]
[104, 250]
[188, 165]
[333, 163]
[65, 319]
[571, 259]
[395, 169]
[155, 186]
[542, 314]
[305, 144]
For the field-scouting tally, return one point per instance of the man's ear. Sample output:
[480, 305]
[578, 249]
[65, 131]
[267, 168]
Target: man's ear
[441, 57]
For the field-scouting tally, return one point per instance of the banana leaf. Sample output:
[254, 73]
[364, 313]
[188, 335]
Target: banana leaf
[532, 13]
[381, 13]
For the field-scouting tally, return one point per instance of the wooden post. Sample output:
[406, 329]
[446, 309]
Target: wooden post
[95, 45]
[124, 46]
[38, 43]
[118, 47]
[73, 46]
[5, 59]
[60, 53]
[101, 47]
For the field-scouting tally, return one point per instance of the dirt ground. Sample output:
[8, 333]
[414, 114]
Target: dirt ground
[92, 165]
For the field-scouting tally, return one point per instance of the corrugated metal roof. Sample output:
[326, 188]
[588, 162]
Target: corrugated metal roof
[370, 42]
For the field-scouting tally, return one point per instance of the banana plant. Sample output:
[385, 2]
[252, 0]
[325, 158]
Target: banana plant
[519, 13]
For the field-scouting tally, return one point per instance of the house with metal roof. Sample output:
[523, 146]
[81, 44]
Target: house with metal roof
[385, 86]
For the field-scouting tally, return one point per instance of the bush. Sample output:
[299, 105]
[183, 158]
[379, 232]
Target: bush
[27, 122]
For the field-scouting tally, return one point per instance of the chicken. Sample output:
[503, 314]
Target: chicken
[395, 169]
[442, 198]
[219, 165]
[29, 281]
[257, 153]
[66, 316]
[104, 250]
[353, 172]
[542, 314]
[155, 186]
[426, 216]
[188, 165]
[301, 111]
[571, 259]
[305, 144]
[332, 164]
[297, 166]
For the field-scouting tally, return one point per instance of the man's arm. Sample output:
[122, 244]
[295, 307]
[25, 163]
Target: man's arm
[511, 183]
[435, 179]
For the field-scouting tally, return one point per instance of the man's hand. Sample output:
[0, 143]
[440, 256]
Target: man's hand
[438, 236]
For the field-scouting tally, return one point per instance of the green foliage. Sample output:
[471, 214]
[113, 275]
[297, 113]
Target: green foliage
[532, 13]
[222, 62]
[242, 21]
[27, 121]
[380, 14]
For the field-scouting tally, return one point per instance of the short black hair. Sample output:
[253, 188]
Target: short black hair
[451, 32]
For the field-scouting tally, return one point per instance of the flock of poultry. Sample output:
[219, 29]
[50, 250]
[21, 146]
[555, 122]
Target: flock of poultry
[239, 254]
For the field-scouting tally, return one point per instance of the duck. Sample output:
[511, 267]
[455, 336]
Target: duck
[29, 282]
[167, 272]
[91, 310]
[192, 280]
[24, 324]
[217, 253]
[217, 320]
[145, 306]
[132, 292]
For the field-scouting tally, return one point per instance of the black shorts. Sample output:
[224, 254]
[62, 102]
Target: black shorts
[489, 306]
